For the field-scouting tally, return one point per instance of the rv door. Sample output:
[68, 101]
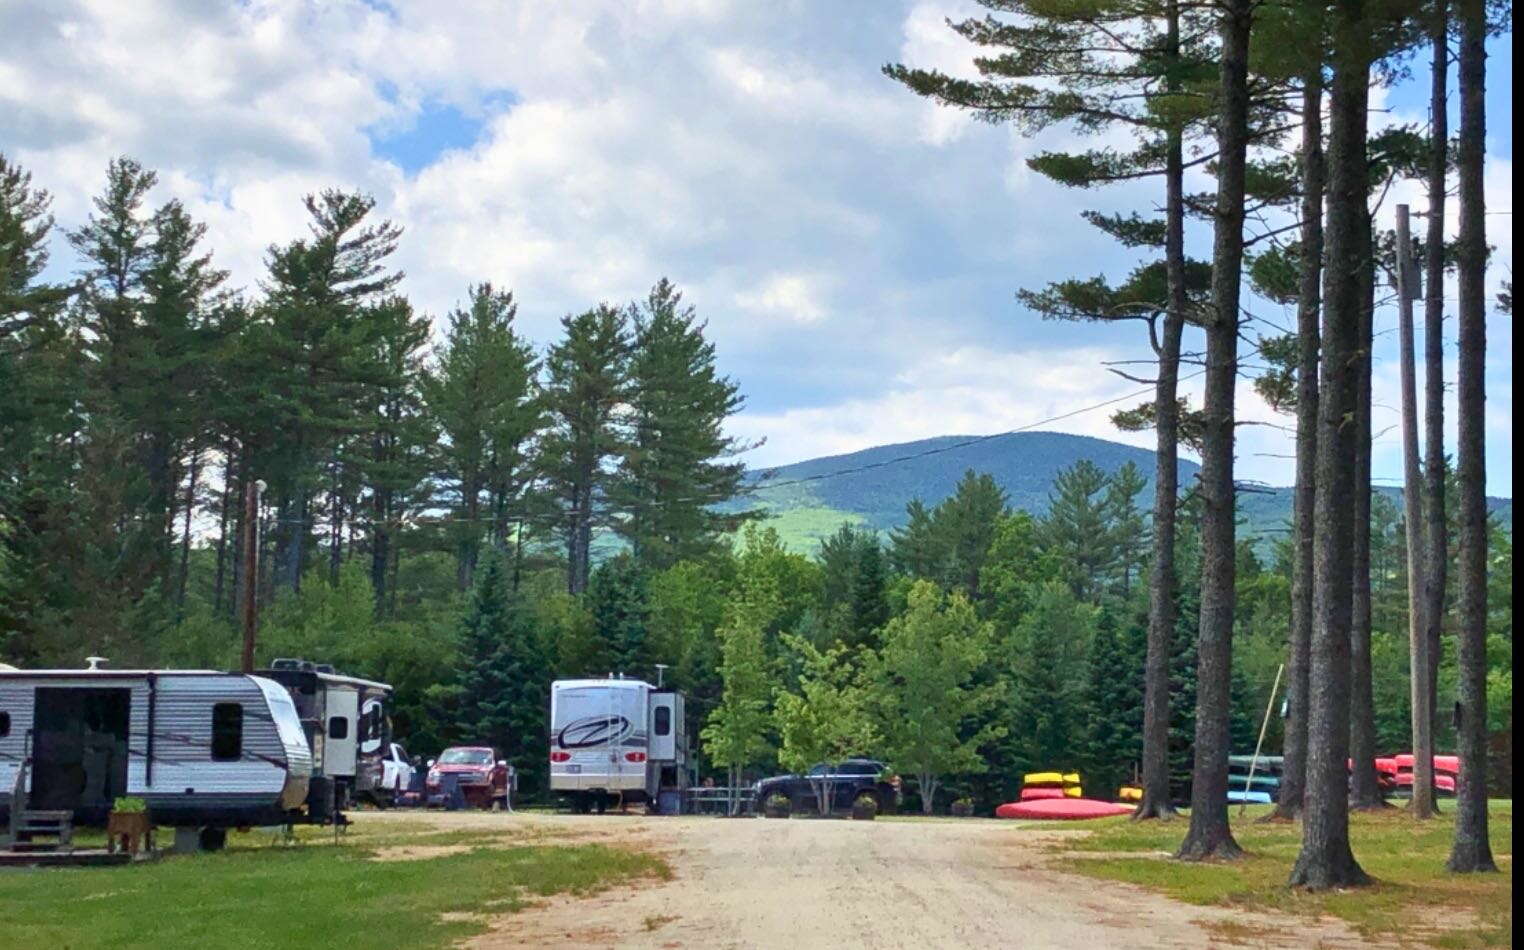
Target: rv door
[342, 710]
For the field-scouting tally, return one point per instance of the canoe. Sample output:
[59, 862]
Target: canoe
[1258, 781]
[1265, 763]
[1051, 778]
[1443, 782]
[1037, 794]
[1238, 796]
[1057, 809]
[1442, 763]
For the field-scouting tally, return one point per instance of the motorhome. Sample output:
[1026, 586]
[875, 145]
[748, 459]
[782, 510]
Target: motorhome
[617, 740]
[345, 721]
[201, 748]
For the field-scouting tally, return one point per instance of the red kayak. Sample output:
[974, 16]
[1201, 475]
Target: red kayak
[1037, 794]
[1062, 808]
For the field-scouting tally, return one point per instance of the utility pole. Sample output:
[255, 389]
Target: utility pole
[251, 495]
[1412, 490]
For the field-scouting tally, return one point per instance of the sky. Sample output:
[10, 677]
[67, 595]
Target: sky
[855, 250]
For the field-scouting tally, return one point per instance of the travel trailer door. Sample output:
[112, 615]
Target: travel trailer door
[79, 747]
[342, 709]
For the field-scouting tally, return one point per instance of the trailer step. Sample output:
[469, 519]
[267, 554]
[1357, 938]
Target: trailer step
[30, 825]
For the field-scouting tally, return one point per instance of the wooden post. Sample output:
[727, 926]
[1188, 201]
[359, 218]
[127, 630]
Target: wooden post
[250, 569]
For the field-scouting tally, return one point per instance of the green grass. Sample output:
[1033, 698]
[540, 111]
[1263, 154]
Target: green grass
[312, 894]
[1413, 899]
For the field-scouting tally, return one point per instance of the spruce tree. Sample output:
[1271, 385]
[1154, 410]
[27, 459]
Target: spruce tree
[618, 598]
[1076, 529]
[1113, 706]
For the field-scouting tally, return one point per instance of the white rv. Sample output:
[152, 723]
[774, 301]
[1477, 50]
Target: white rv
[616, 740]
[201, 748]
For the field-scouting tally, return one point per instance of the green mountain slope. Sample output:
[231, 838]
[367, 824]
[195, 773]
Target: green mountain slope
[808, 500]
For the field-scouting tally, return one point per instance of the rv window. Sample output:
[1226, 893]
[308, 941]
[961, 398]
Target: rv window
[663, 720]
[338, 728]
[227, 732]
[5, 724]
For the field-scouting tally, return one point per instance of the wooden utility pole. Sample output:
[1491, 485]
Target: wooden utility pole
[251, 494]
[1412, 492]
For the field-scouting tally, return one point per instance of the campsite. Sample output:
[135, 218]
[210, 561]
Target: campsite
[706, 473]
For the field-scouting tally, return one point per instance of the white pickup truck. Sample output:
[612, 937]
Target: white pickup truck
[396, 772]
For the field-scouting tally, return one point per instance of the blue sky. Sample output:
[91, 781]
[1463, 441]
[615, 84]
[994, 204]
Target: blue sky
[855, 250]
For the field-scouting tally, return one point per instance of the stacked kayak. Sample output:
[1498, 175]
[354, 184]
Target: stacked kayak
[1254, 780]
[1057, 796]
[1130, 793]
[1395, 773]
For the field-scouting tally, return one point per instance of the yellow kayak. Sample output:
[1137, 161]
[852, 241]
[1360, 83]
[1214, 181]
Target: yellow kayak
[1051, 778]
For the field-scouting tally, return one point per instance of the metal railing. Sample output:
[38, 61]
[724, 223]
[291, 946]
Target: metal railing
[720, 800]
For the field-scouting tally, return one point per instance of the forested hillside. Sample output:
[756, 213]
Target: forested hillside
[806, 501]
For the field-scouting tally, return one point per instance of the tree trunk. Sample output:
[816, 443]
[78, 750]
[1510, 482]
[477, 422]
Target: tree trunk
[1309, 306]
[1325, 860]
[1209, 835]
[1436, 541]
[1365, 791]
[1471, 851]
[470, 531]
[380, 548]
[222, 531]
[185, 540]
[1156, 802]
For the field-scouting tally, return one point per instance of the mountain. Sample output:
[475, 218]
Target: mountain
[808, 500]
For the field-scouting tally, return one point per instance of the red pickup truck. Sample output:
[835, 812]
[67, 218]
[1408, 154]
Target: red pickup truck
[479, 771]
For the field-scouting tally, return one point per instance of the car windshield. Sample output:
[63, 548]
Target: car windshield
[466, 757]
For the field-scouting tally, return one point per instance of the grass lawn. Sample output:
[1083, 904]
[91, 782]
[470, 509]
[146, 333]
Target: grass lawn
[311, 894]
[1414, 897]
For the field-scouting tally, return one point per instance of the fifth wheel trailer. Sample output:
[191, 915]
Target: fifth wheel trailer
[616, 740]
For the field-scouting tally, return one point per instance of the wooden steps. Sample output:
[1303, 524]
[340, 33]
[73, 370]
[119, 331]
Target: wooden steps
[28, 826]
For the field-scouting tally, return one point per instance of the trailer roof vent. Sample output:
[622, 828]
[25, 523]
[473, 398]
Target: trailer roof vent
[285, 663]
[323, 668]
[95, 662]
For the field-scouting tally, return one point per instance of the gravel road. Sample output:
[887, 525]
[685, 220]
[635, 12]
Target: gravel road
[802, 883]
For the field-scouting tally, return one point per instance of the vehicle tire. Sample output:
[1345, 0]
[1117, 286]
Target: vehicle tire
[582, 803]
[600, 804]
[213, 839]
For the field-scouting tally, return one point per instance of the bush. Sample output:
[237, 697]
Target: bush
[777, 806]
[963, 807]
[865, 808]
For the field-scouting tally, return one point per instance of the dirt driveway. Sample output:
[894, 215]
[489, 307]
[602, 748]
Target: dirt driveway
[809, 883]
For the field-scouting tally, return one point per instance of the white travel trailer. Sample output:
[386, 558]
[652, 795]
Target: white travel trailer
[345, 722]
[201, 748]
[616, 740]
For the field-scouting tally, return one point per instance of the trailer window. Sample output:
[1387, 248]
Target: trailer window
[227, 732]
[663, 720]
[5, 724]
[338, 727]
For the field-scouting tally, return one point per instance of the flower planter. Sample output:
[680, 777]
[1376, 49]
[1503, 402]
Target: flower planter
[865, 808]
[777, 807]
[962, 809]
[130, 831]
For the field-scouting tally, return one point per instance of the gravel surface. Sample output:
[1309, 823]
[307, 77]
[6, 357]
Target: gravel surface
[803, 883]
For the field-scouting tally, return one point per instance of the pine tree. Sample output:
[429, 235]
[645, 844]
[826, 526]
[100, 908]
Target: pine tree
[967, 520]
[677, 468]
[1047, 681]
[483, 395]
[312, 352]
[916, 549]
[586, 394]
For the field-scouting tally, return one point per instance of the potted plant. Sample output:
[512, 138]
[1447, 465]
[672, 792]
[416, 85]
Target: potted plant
[128, 825]
[865, 808]
[962, 807]
[777, 806]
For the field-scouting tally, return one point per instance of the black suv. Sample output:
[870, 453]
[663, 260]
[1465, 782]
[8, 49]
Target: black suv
[849, 779]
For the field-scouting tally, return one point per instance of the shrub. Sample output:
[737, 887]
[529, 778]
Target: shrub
[129, 806]
[777, 806]
[865, 808]
[963, 807]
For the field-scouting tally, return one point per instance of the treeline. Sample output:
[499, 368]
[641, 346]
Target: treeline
[1272, 104]
[144, 397]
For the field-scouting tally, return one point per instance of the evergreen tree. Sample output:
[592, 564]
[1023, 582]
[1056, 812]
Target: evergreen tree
[586, 393]
[916, 549]
[1127, 529]
[482, 394]
[1113, 706]
[1047, 681]
[504, 692]
[676, 468]
[618, 599]
[1078, 531]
